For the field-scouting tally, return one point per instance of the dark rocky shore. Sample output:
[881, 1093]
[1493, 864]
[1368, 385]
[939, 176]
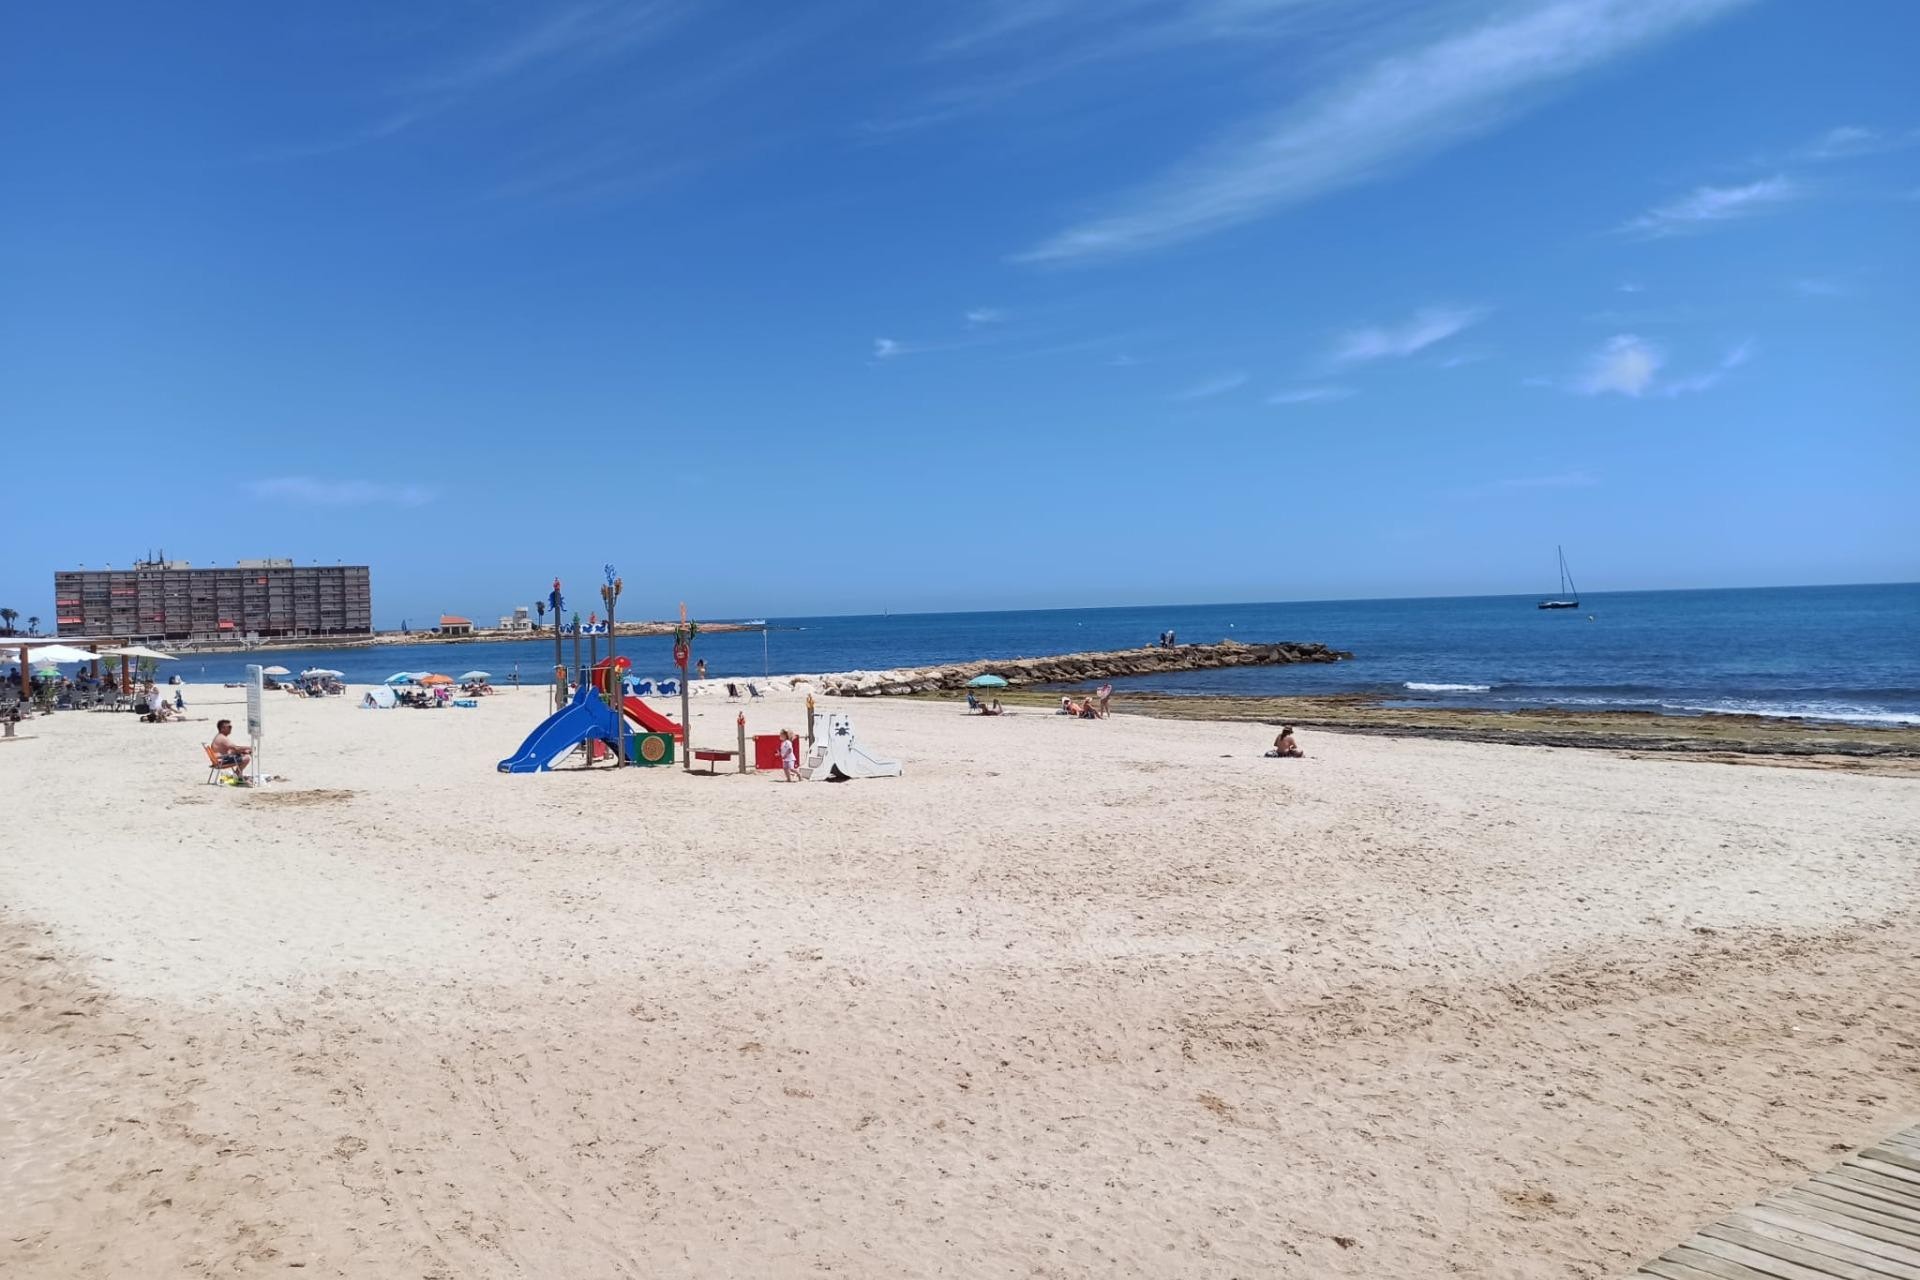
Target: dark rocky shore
[1076, 668]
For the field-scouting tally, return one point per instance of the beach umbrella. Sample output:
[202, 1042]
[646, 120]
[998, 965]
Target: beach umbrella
[321, 672]
[275, 671]
[436, 678]
[471, 676]
[137, 651]
[987, 682]
[402, 677]
[48, 654]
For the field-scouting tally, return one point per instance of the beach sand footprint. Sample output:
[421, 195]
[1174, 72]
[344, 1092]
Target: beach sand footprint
[301, 799]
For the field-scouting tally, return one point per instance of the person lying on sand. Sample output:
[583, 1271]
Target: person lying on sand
[1284, 746]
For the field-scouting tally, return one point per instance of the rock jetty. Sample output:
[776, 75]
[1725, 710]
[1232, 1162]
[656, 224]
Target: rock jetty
[1076, 668]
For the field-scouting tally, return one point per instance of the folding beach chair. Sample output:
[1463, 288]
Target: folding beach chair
[753, 691]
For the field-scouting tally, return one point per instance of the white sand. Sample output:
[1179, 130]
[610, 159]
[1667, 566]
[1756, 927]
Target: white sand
[1069, 998]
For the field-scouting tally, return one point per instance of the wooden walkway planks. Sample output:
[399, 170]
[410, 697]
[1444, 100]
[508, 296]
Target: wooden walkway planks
[1857, 1221]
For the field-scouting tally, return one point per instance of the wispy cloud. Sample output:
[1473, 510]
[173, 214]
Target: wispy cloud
[1210, 387]
[1705, 207]
[556, 46]
[1310, 395]
[980, 317]
[1851, 141]
[1422, 330]
[897, 348]
[1628, 365]
[1401, 107]
[1523, 484]
[339, 493]
[1819, 287]
[1707, 379]
[568, 38]
[1004, 49]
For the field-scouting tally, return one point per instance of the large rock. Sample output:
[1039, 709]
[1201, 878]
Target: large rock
[1076, 668]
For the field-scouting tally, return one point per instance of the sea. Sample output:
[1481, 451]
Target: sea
[1819, 653]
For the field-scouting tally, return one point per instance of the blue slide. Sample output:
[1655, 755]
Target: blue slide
[581, 720]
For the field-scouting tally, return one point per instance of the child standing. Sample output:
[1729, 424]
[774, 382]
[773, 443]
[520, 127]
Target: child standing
[789, 763]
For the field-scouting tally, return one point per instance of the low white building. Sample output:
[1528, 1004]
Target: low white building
[521, 619]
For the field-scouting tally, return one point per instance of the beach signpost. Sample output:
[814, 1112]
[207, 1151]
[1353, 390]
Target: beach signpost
[256, 705]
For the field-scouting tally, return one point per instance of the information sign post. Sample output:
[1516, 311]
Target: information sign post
[256, 700]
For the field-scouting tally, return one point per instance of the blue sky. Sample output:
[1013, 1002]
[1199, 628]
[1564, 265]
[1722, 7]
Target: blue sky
[856, 305]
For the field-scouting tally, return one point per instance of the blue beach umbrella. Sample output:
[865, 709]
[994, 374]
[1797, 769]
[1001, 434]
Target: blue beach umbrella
[476, 675]
[987, 682]
[403, 677]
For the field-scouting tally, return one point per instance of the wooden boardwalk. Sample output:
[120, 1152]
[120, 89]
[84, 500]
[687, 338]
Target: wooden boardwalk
[1858, 1221]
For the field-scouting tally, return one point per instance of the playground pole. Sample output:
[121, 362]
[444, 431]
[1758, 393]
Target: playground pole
[559, 659]
[611, 593]
[683, 652]
[579, 672]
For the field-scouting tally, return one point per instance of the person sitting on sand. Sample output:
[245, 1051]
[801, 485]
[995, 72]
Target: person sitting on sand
[1284, 746]
[229, 754]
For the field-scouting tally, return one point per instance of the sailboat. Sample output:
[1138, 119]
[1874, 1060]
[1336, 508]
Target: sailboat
[1569, 597]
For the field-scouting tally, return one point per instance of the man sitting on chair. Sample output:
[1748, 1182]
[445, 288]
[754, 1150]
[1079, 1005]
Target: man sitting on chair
[229, 754]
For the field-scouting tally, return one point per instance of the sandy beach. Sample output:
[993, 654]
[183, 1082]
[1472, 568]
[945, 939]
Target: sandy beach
[1068, 998]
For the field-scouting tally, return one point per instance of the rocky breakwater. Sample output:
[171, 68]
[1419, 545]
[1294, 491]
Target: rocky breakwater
[1075, 668]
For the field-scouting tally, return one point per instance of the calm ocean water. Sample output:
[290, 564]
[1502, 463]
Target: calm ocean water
[1835, 653]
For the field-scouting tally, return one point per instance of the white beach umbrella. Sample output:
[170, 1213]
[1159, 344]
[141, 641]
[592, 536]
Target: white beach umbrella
[274, 671]
[48, 653]
[323, 671]
[476, 675]
[137, 651]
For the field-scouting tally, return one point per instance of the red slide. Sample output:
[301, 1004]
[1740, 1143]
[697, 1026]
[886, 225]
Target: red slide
[650, 720]
[605, 672]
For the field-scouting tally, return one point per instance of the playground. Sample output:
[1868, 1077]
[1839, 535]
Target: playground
[605, 720]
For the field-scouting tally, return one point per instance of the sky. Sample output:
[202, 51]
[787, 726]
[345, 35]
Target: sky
[853, 305]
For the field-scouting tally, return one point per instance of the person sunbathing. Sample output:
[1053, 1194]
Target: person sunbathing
[229, 754]
[1284, 746]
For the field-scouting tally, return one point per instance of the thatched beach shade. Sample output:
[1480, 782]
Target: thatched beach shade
[987, 682]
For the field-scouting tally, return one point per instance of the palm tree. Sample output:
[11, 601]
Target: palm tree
[33, 626]
[540, 611]
[9, 617]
